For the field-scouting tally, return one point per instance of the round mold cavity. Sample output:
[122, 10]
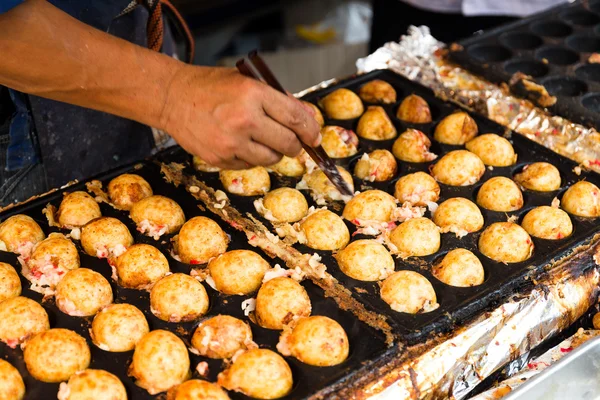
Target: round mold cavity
[557, 55]
[564, 86]
[521, 40]
[589, 72]
[591, 102]
[553, 29]
[532, 68]
[594, 6]
[584, 43]
[580, 17]
[489, 53]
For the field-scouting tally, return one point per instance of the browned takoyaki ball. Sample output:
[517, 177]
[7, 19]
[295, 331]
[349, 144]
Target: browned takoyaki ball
[246, 182]
[178, 298]
[339, 142]
[461, 268]
[539, 176]
[458, 215]
[321, 186]
[56, 354]
[196, 389]
[342, 104]
[317, 113]
[377, 91]
[105, 237]
[417, 189]
[127, 189]
[258, 373]
[83, 292]
[280, 301]
[201, 165]
[493, 150]
[77, 209]
[289, 166]
[12, 387]
[199, 240]
[547, 222]
[500, 194]
[370, 205]
[325, 230]
[317, 340]
[365, 260]
[458, 168]
[19, 233]
[118, 327]
[582, 200]
[505, 242]
[414, 109]
[92, 384]
[285, 205]
[21, 318]
[409, 292]
[413, 146]
[376, 125]
[596, 321]
[50, 260]
[416, 237]
[238, 271]
[141, 266]
[221, 336]
[376, 166]
[456, 129]
[157, 215]
[10, 284]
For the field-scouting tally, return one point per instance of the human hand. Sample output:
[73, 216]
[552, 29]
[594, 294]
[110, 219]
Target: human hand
[234, 122]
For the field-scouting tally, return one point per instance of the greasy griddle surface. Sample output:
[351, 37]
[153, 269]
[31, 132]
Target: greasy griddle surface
[457, 305]
[365, 342]
[553, 48]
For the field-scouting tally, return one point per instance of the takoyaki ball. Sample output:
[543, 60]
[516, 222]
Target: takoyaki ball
[19, 234]
[414, 109]
[238, 272]
[416, 237]
[370, 205]
[493, 150]
[596, 321]
[458, 215]
[409, 292]
[500, 194]
[50, 260]
[413, 146]
[317, 113]
[342, 104]
[280, 301]
[12, 387]
[286, 204]
[178, 298]
[456, 129]
[246, 182]
[339, 142]
[141, 266]
[320, 185]
[199, 240]
[505, 242]
[376, 166]
[77, 209]
[105, 237]
[417, 189]
[547, 222]
[539, 176]
[365, 260]
[157, 215]
[461, 268]
[458, 168]
[83, 292]
[377, 91]
[258, 373]
[376, 125]
[196, 389]
[21, 318]
[92, 384]
[160, 361]
[56, 354]
[118, 327]
[127, 189]
[221, 337]
[581, 199]
[10, 284]
[289, 166]
[325, 230]
[203, 166]
[317, 340]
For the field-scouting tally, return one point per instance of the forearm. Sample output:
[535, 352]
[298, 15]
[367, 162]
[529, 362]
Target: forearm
[48, 53]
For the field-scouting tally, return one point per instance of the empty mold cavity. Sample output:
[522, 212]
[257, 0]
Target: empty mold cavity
[532, 68]
[591, 102]
[590, 72]
[521, 40]
[584, 43]
[557, 55]
[551, 29]
[564, 86]
[595, 6]
[489, 53]
[580, 17]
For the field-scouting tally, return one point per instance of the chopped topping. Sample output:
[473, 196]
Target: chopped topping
[3, 246]
[221, 195]
[63, 391]
[262, 210]
[75, 233]
[210, 282]
[432, 206]
[513, 219]
[69, 308]
[248, 306]
[577, 170]
[150, 229]
[202, 368]
[194, 189]
[555, 202]
[429, 306]
[407, 211]
[236, 186]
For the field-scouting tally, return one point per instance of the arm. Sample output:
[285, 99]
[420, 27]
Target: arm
[216, 113]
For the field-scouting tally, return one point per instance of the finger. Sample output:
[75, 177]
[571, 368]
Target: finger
[276, 136]
[234, 164]
[255, 153]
